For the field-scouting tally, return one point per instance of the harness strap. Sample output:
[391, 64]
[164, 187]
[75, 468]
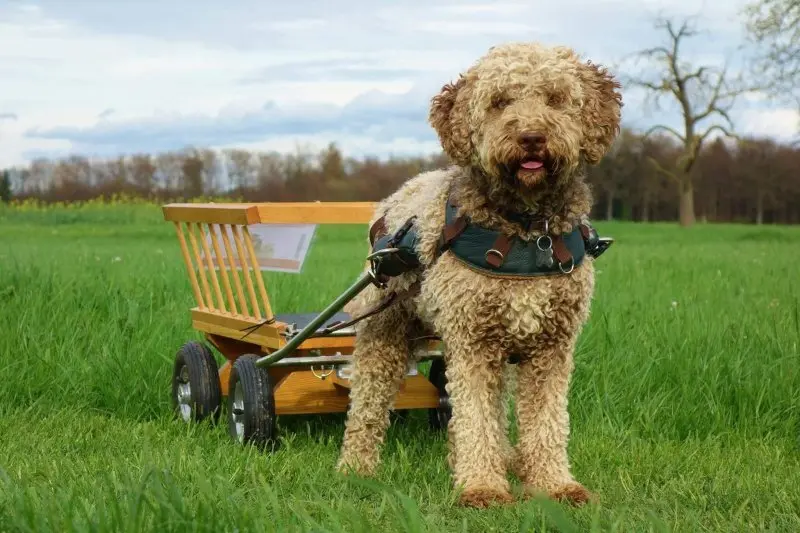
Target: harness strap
[453, 230]
[560, 250]
[585, 231]
[391, 298]
[378, 230]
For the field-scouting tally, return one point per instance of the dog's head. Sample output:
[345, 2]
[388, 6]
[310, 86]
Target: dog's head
[526, 113]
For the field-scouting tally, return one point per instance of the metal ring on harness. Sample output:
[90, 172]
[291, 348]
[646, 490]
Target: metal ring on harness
[571, 266]
[383, 251]
[549, 243]
[497, 253]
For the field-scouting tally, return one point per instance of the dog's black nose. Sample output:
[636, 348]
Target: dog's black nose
[532, 140]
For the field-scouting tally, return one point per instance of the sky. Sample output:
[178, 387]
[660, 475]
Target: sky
[104, 78]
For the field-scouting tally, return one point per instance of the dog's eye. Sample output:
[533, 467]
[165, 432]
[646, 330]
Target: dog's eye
[555, 99]
[501, 102]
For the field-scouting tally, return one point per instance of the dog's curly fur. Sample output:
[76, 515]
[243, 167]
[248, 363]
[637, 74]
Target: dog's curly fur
[481, 119]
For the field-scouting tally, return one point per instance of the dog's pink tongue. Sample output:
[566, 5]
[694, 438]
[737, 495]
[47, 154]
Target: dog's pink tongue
[532, 165]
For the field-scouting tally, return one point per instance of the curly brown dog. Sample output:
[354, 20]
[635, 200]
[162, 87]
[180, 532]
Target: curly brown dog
[520, 127]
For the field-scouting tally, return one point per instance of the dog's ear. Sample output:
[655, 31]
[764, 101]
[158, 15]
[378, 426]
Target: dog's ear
[450, 123]
[602, 106]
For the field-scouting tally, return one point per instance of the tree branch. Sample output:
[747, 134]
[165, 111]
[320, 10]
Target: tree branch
[774, 27]
[668, 173]
[716, 127]
[697, 74]
[658, 127]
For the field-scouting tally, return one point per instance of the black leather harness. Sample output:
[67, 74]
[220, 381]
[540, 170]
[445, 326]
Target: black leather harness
[493, 252]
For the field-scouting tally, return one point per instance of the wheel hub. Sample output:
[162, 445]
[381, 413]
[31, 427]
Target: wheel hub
[184, 394]
[237, 412]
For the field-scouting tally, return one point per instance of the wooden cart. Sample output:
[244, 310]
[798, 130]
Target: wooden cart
[233, 312]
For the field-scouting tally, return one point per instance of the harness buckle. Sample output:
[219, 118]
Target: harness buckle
[571, 266]
[496, 253]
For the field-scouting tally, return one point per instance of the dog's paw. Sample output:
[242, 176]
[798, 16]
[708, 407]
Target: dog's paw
[482, 498]
[574, 494]
[354, 468]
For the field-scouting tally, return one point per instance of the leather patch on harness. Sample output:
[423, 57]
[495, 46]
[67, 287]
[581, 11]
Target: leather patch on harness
[377, 230]
[560, 250]
[454, 229]
[496, 255]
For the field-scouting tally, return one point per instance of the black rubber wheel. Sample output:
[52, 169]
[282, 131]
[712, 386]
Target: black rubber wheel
[251, 404]
[439, 417]
[195, 384]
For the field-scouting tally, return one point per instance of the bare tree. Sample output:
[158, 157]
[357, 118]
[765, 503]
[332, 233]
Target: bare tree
[193, 169]
[118, 173]
[210, 166]
[143, 172]
[774, 26]
[240, 168]
[72, 171]
[170, 169]
[41, 175]
[705, 96]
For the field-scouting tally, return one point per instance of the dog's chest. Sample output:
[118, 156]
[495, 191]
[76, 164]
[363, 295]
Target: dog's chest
[455, 298]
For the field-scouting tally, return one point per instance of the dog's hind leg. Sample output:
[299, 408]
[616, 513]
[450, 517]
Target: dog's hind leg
[542, 386]
[380, 363]
[478, 428]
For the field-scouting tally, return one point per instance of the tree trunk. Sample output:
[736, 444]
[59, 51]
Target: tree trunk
[760, 208]
[610, 206]
[714, 207]
[686, 209]
[645, 216]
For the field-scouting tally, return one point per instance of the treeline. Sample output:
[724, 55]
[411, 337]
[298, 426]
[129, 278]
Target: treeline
[752, 180]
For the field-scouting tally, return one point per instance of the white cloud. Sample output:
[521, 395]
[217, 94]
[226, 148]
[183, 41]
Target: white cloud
[291, 25]
[473, 27]
[497, 8]
[779, 123]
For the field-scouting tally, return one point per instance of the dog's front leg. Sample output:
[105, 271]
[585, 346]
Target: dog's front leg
[477, 430]
[542, 387]
[380, 364]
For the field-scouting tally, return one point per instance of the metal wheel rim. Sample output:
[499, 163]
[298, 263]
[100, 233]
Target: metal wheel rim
[237, 412]
[184, 394]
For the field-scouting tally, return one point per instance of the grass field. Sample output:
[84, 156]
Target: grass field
[685, 403]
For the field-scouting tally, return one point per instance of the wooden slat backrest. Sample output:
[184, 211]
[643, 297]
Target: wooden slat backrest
[201, 228]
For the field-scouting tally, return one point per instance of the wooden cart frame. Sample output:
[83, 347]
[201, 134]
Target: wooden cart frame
[233, 311]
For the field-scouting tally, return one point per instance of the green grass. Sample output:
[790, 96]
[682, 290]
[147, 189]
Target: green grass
[685, 402]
